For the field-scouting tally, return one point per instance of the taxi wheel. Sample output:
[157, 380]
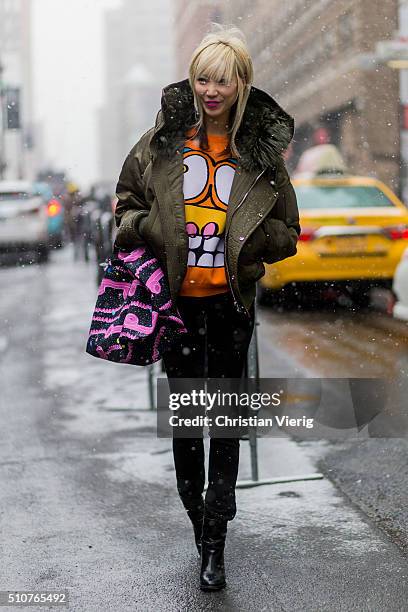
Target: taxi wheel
[361, 300]
[286, 297]
[263, 296]
[267, 297]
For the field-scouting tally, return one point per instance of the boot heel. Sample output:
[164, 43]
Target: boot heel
[212, 575]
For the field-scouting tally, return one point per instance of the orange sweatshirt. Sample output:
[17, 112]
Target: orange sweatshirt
[208, 177]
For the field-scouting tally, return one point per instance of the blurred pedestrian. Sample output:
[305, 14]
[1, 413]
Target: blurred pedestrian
[207, 190]
[72, 205]
[78, 208]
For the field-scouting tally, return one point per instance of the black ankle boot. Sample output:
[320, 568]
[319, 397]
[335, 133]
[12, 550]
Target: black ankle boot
[212, 577]
[196, 517]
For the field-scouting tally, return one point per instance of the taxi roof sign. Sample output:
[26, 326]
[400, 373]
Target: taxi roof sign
[321, 159]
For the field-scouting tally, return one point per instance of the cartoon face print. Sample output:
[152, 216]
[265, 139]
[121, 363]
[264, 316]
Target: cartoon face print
[207, 185]
[207, 182]
[206, 245]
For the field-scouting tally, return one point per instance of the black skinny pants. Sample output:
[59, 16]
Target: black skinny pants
[215, 346]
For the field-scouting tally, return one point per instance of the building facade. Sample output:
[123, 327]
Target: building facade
[139, 61]
[17, 138]
[192, 21]
[312, 58]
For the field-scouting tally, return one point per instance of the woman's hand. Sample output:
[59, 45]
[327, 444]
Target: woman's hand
[280, 241]
[254, 247]
[276, 237]
[130, 232]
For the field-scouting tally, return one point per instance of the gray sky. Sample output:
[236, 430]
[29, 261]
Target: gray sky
[67, 81]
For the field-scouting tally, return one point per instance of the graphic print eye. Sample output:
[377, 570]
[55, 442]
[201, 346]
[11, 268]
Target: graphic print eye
[195, 176]
[223, 180]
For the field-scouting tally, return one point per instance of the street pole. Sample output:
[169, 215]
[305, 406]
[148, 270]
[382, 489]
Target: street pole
[2, 126]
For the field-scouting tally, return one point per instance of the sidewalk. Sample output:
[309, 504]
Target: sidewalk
[294, 546]
[109, 519]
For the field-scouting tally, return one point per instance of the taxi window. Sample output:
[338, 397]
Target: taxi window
[327, 196]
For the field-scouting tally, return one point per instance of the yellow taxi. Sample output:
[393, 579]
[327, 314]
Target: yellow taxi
[354, 229]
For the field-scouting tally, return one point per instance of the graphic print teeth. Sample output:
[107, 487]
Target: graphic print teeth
[206, 252]
[219, 260]
[210, 244]
[206, 261]
[194, 242]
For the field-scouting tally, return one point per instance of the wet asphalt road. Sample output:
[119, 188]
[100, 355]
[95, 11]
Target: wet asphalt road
[88, 498]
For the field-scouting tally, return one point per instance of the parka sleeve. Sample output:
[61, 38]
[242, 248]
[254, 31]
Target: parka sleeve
[131, 208]
[282, 227]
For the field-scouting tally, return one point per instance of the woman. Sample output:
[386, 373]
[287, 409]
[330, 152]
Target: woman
[207, 189]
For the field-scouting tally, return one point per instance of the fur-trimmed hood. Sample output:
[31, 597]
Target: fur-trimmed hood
[265, 131]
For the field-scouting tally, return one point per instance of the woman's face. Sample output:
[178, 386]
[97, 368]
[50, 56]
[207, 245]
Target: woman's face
[217, 97]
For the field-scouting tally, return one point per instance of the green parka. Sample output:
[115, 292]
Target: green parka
[262, 223]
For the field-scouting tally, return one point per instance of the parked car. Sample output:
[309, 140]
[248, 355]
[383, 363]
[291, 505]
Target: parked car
[26, 213]
[400, 288]
[354, 231]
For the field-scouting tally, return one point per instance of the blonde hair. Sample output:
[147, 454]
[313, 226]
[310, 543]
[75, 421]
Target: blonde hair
[223, 54]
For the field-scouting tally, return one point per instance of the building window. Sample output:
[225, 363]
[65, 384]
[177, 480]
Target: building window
[345, 31]
[328, 44]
